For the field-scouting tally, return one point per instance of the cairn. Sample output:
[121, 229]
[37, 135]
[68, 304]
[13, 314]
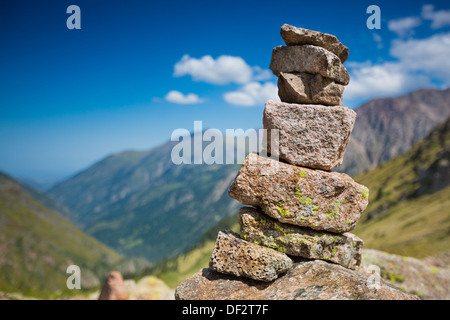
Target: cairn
[301, 209]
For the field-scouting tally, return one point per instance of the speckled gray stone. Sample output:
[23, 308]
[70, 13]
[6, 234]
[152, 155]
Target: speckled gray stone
[306, 280]
[238, 257]
[321, 200]
[312, 136]
[310, 59]
[293, 36]
[257, 227]
[306, 88]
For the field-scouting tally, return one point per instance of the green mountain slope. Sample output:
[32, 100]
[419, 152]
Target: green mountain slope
[409, 202]
[38, 244]
[141, 204]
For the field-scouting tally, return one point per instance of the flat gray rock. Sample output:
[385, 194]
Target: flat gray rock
[293, 36]
[310, 59]
[241, 258]
[306, 280]
[313, 136]
[257, 227]
[306, 88]
[317, 199]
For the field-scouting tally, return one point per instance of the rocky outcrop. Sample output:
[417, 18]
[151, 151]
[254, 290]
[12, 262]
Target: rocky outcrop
[415, 276]
[306, 280]
[148, 288]
[114, 288]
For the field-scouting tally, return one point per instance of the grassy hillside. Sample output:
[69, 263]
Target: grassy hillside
[142, 204]
[409, 202]
[38, 244]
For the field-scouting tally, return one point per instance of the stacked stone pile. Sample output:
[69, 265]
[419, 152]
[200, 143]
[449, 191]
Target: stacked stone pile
[299, 207]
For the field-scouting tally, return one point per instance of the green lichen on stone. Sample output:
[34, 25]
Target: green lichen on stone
[281, 210]
[281, 249]
[348, 222]
[305, 201]
[276, 226]
[365, 193]
[434, 269]
[326, 258]
[331, 214]
[392, 277]
[333, 252]
[302, 174]
[315, 209]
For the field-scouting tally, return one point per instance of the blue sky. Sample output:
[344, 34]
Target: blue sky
[138, 70]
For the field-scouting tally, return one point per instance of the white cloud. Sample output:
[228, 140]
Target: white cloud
[404, 26]
[378, 39]
[438, 19]
[252, 94]
[421, 63]
[223, 70]
[381, 80]
[179, 98]
[429, 55]
[262, 74]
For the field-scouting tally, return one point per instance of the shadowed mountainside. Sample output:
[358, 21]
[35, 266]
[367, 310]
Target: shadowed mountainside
[388, 127]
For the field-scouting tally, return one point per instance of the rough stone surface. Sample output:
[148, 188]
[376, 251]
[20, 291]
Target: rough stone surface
[310, 59]
[232, 255]
[114, 287]
[307, 280]
[293, 36]
[148, 288]
[257, 227]
[312, 136]
[317, 199]
[412, 275]
[306, 88]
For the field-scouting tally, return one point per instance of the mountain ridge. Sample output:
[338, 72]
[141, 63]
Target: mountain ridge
[37, 244]
[387, 127]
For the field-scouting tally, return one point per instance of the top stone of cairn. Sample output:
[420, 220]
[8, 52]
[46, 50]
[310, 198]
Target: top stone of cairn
[293, 36]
